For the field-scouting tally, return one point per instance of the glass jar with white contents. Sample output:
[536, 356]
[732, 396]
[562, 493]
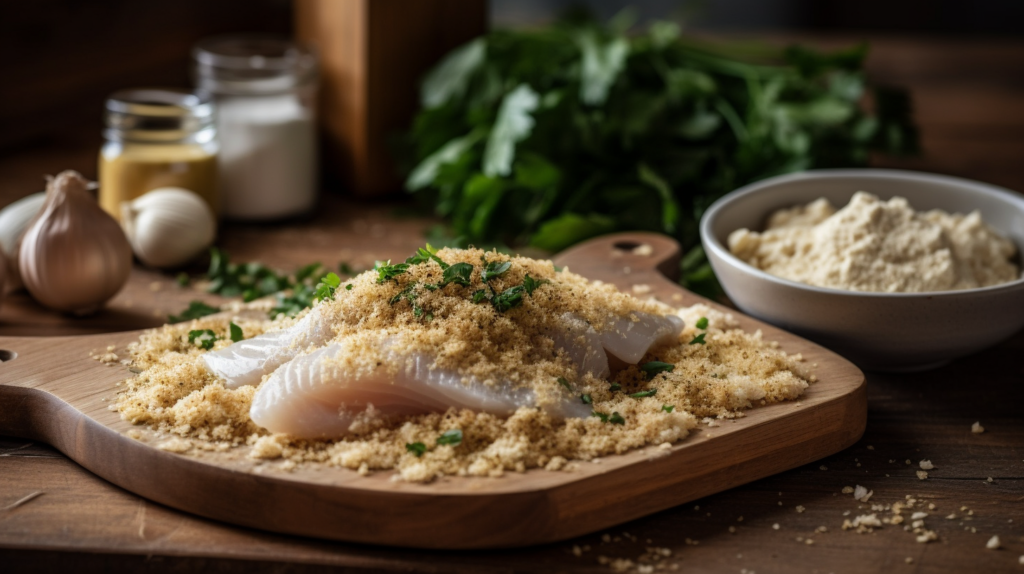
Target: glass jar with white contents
[265, 89]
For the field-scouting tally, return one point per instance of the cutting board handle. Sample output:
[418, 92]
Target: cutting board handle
[634, 252]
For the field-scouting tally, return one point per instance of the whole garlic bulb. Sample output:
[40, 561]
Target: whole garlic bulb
[14, 219]
[168, 227]
[73, 257]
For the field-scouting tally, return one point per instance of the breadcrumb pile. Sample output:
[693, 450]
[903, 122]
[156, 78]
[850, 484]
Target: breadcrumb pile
[174, 393]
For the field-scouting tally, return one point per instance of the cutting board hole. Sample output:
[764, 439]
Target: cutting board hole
[6, 355]
[626, 245]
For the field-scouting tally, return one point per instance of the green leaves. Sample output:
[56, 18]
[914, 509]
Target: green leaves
[387, 272]
[701, 323]
[450, 437]
[327, 286]
[235, 332]
[513, 124]
[653, 368]
[416, 448]
[202, 338]
[699, 339]
[551, 136]
[458, 274]
[508, 299]
[601, 64]
[644, 394]
[494, 269]
[450, 79]
[196, 309]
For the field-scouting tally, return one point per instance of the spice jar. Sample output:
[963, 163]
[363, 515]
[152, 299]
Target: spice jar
[265, 89]
[157, 138]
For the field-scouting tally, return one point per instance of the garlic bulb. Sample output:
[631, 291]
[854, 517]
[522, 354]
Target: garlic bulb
[14, 219]
[168, 226]
[73, 257]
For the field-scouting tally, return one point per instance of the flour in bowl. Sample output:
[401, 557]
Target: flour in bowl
[881, 246]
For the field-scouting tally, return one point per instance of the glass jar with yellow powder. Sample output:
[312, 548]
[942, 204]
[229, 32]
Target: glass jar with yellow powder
[157, 138]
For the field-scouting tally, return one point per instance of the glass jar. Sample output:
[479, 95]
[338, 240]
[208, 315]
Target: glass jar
[265, 89]
[157, 138]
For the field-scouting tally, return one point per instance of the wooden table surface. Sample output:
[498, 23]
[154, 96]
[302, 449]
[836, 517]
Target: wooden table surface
[968, 96]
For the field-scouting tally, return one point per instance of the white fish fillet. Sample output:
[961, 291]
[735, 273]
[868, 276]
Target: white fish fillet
[318, 395]
[245, 362]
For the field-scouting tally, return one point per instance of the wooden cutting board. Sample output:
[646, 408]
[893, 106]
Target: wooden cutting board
[51, 390]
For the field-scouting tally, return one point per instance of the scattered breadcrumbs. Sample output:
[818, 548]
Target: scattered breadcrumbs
[993, 543]
[926, 465]
[976, 428]
[731, 371]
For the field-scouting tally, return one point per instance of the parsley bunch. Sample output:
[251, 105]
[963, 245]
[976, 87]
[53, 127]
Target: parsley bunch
[554, 135]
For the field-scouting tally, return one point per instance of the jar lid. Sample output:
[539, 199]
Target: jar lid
[159, 115]
[253, 64]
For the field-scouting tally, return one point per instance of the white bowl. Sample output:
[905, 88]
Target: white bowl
[879, 331]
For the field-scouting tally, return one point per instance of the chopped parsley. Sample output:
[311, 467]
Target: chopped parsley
[458, 274]
[236, 332]
[699, 340]
[668, 408]
[616, 419]
[348, 287]
[479, 296]
[602, 416]
[508, 299]
[387, 272]
[643, 394]
[531, 284]
[587, 400]
[417, 448]
[562, 381]
[326, 287]
[702, 323]
[452, 437]
[494, 269]
[202, 338]
[653, 368]
[196, 309]
[615, 387]
[424, 254]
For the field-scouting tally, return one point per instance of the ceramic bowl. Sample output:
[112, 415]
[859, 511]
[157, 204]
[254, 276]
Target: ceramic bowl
[878, 331]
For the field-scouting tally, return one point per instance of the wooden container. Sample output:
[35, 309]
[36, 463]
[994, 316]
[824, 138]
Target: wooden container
[373, 55]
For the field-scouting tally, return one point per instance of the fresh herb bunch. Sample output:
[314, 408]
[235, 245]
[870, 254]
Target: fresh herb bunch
[548, 137]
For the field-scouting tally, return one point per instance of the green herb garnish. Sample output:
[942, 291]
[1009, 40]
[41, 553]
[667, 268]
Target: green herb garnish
[202, 338]
[642, 394]
[508, 299]
[587, 400]
[615, 387]
[702, 323]
[451, 437]
[479, 296]
[699, 340]
[348, 287]
[668, 408]
[327, 286]
[531, 284]
[417, 448]
[387, 272]
[196, 309]
[562, 381]
[458, 274]
[616, 419]
[494, 269]
[236, 332]
[602, 416]
[652, 369]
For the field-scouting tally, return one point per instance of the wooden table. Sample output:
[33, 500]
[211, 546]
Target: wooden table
[967, 96]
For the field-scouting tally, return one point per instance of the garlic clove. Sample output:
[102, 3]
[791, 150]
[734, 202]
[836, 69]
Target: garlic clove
[168, 226]
[14, 219]
[73, 256]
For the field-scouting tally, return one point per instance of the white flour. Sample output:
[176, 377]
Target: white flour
[875, 245]
[268, 162]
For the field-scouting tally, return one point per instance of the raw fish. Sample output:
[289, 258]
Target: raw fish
[245, 362]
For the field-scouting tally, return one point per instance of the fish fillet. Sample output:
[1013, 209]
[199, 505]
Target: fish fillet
[319, 395]
[247, 361]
